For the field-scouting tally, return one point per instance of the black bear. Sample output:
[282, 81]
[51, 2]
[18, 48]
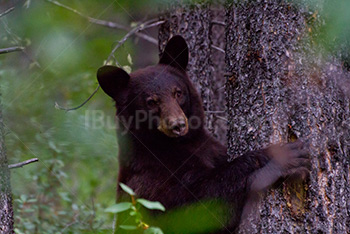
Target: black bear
[167, 155]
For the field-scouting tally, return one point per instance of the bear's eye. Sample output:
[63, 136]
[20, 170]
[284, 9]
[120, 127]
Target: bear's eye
[178, 93]
[151, 103]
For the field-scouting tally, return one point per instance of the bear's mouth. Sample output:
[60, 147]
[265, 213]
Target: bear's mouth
[174, 128]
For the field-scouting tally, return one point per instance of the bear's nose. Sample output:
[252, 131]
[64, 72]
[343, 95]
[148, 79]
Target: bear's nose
[178, 127]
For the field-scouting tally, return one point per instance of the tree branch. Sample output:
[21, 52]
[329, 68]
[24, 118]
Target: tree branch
[215, 112]
[218, 48]
[148, 24]
[11, 49]
[218, 23]
[222, 118]
[7, 11]
[105, 23]
[21, 164]
[81, 105]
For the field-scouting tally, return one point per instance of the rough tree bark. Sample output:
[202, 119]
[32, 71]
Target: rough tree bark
[6, 211]
[279, 87]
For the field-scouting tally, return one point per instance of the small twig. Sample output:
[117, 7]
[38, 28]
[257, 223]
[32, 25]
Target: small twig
[7, 11]
[114, 224]
[105, 23]
[11, 49]
[148, 24]
[18, 40]
[228, 74]
[215, 112]
[222, 87]
[81, 105]
[222, 118]
[218, 23]
[21, 164]
[71, 223]
[92, 20]
[218, 48]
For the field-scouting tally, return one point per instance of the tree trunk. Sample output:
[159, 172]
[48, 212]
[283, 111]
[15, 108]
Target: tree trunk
[279, 88]
[195, 24]
[6, 215]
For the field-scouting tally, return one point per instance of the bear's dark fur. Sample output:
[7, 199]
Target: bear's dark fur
[169, 156]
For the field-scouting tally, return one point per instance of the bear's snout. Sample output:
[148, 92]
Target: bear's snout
[174, 126]
[179, 127]
[173, 121]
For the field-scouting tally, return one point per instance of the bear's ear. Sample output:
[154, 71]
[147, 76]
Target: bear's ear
[175, 53]
[112, 79]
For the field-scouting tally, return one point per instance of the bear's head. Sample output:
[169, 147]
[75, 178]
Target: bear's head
[158, 98]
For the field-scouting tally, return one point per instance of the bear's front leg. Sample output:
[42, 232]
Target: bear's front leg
[238, 182]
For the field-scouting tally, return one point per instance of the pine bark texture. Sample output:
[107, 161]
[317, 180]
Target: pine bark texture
[279, 87]
[195, 24]
[6, 210]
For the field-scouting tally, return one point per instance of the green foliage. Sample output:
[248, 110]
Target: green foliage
[127, 189]
[68, 190]
[151, 205]
[153, 230]
[44, 212]
[328, 24]
[135, 213]
[207, 216]
[140, 216]
[120, 207]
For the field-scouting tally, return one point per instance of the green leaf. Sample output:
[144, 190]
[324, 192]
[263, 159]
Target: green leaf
[17, 231]
[32, 200]
[28, 210]
[23, 197]
[26, 4]
[129, 59]
[53, 146]
[127, 189]
[151, 204]
[65, 197]
[127, 69]
[120, 207]
[132, 213]
[153, 230]
[128, 227]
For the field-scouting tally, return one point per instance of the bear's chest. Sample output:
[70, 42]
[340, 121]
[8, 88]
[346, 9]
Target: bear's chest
[159, 183]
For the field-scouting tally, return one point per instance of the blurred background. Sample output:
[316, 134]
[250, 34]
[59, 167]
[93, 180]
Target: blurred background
[68, 190]
[75, 179]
